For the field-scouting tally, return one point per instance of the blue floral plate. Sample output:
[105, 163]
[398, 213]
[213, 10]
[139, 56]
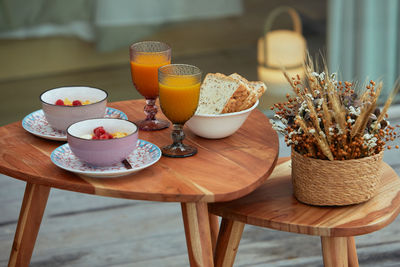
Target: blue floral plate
[36, 124]
[145, 155]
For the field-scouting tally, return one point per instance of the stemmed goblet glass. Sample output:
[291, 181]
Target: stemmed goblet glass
[179, 96]
[145, 58]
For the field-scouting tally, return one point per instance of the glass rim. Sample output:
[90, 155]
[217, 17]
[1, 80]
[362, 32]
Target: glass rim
[160, 70]
[132, 47]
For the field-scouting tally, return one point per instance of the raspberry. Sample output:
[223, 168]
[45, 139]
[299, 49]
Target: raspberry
[77, 103]
[94, 137]
[104, 136]
[99, 131]
[59, 102]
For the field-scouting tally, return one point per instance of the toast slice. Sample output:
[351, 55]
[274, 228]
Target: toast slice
[239, 96]
[221, 94]
[257, 89]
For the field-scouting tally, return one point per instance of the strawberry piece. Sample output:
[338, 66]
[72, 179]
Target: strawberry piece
[94, 137]
[59, 102]
[77, 103]
[99, 131]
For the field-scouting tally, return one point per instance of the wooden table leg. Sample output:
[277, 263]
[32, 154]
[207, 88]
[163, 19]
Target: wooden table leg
[198, 235]
[30, 217]
[352, 252]
[229, 237]
[214, 228]
[334, 251]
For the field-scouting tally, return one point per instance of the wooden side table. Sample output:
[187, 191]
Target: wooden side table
[222, 170]
[273, 206]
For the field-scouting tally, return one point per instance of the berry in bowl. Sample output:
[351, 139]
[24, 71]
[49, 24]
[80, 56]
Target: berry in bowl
[65, 105]
[102, 142]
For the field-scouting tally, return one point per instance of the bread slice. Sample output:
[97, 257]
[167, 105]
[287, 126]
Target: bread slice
[257, 89]
[221, 94]
[239, 77]
[238, 97]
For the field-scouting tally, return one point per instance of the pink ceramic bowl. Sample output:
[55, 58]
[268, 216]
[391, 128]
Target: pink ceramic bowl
[60, 117]
[102, 152]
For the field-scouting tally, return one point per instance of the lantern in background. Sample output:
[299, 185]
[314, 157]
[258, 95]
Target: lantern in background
[277, 49]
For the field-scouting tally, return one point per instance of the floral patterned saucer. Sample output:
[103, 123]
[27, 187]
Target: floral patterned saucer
[36, 124]
[145, 155]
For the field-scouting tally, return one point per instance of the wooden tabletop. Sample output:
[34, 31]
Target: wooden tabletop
[273, 205]
[222, 170]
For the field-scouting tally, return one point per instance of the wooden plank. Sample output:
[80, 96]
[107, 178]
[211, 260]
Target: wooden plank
[33, 206]
[129, 236]
[198, 235]
[334, 250]
[214, 229]
[228, 242]
[99, 231]
[352, 252]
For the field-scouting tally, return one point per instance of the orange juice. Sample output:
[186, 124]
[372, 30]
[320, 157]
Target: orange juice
[179, 97]
[144, 70]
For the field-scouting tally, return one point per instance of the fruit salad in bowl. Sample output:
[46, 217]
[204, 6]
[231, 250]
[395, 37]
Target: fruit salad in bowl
[102, 142]
[65, 105]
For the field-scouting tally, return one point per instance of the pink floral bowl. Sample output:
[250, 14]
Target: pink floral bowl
[60, 117]
[102, 152]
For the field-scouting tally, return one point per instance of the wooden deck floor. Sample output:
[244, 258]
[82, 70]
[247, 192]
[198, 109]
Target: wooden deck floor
[84, 230]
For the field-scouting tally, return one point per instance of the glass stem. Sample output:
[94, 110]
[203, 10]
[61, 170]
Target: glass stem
[150, 109]
[177, 135]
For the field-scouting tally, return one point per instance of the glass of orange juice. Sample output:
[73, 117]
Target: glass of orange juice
[179, 92]
[146, 57]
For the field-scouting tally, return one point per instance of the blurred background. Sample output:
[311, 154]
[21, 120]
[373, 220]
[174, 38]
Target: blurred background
[46, 44]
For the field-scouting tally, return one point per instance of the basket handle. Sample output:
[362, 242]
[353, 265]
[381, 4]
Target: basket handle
[294, 15]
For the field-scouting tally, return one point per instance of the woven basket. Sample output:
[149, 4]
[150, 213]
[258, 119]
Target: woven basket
[335, 183]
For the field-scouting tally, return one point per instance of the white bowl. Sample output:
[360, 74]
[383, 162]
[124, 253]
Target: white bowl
[218, 126]
[60, 117]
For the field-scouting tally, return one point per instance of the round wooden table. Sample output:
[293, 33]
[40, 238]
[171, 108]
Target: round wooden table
[222, 170]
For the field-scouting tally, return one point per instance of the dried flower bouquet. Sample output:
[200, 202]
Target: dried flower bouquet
[335, 120]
